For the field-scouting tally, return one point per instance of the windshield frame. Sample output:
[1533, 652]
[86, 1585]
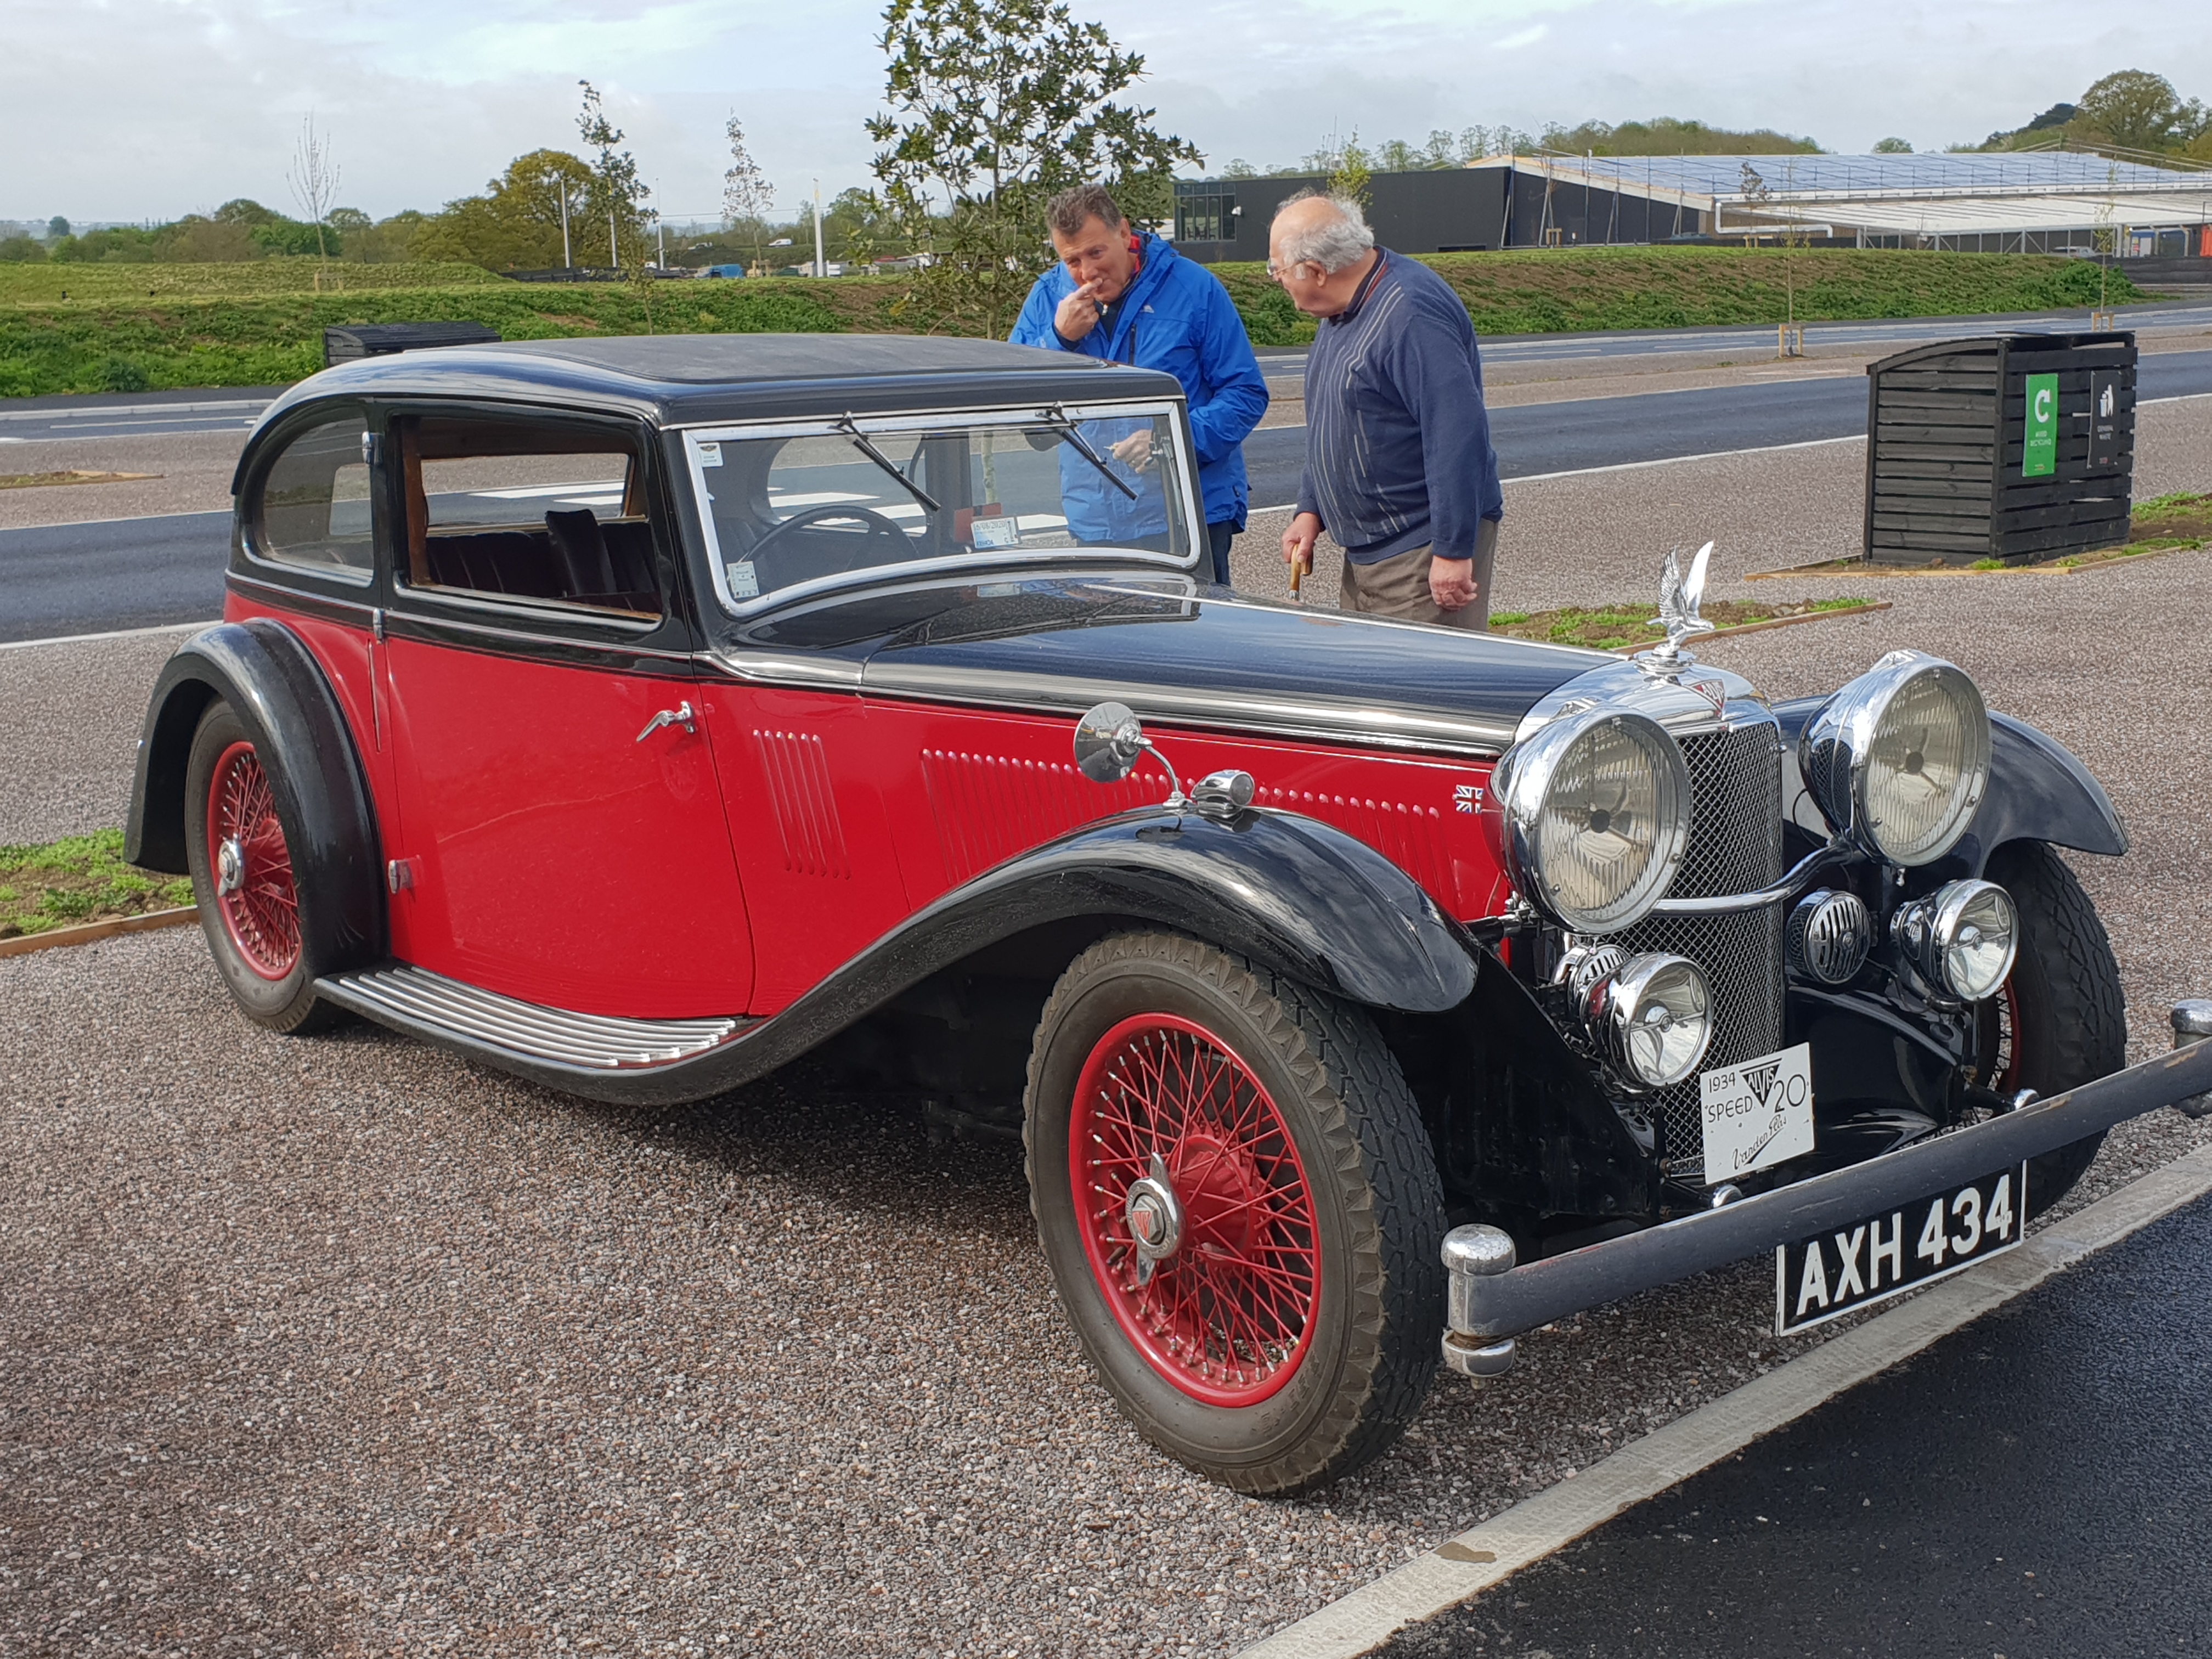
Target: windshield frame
[905, 421]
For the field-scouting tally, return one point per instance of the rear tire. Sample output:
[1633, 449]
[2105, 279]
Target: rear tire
[2061, 1019]
[238, 850]
[1290, 1333]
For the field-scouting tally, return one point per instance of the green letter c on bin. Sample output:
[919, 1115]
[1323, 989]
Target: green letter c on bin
[2039, 453]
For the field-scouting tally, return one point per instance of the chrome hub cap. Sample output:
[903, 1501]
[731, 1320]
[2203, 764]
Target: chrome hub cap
[229, 867]
[1155, 1217]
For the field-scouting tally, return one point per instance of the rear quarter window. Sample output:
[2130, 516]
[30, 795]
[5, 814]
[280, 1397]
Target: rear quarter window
[313, 509]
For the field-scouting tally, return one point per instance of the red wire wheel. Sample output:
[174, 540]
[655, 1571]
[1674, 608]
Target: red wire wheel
[251, 865]
[1226, 1315]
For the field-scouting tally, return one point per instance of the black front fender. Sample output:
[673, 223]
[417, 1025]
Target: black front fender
[2038, 790]
[267, 675]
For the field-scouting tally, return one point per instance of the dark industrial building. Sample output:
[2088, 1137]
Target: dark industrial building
[2044, 201]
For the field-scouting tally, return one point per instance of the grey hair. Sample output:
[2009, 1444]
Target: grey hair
[1342, 238]
[1069, 211]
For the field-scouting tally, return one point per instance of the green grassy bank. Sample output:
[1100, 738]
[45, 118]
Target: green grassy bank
[129, 328]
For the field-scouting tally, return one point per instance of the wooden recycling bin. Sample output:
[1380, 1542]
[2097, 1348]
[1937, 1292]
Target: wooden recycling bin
[357, 340]
[2017, 446]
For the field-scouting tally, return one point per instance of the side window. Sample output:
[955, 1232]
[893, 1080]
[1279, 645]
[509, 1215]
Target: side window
[535, 511]
[314, 507]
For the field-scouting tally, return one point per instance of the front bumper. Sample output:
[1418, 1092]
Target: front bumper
[1493, 1301]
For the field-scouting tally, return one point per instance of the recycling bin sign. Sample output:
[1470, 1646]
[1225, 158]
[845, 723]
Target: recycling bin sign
[2039, 455]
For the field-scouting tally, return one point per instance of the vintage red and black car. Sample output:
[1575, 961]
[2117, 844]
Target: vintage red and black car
[641, 715]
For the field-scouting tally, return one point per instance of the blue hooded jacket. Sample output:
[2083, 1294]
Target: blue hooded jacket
[1176, 317]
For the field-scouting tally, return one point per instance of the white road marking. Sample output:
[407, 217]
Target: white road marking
[1484, 1556]
[120, 634]
[526, 492]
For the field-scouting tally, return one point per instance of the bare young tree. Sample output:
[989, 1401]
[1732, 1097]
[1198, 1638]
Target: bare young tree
[747, 195]
[314, 180]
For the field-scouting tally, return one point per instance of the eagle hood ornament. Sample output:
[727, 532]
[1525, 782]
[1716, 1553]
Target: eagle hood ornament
[1679, 597]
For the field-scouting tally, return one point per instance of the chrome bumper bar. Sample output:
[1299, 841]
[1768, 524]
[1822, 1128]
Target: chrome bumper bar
[1492, 1300]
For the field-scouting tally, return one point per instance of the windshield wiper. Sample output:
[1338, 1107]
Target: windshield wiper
[1056, 418]
[862, 442]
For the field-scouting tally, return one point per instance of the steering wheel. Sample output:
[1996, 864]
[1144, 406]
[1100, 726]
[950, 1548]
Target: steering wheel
[880, 530]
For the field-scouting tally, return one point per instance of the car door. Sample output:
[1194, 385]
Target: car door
[563, 837]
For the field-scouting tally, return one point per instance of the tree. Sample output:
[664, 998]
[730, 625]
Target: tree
[1238, 168]
[314, 180]
[747, 195]
[2135, 109]
[1665, 134]
[516, 224]
[1397, 155]
[56, 228]
[1440, 150]
[617, 194]
[1892, 147]
[1350, 177]
[996, 105]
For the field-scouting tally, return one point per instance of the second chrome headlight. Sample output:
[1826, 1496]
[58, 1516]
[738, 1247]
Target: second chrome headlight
[1900, 758]
[1596, 811]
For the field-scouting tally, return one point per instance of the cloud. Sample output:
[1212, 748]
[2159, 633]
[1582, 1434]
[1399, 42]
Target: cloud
[124, 109]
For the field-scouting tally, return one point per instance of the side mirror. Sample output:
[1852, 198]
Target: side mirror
[1108, 743]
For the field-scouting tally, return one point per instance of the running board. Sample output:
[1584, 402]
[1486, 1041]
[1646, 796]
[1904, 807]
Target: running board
[430, 1005]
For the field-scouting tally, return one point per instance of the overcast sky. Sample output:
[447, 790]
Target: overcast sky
[136, 109]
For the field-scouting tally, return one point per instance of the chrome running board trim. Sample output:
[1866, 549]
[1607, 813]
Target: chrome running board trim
[417, 1000]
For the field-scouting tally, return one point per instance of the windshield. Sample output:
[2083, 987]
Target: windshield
[785, 510]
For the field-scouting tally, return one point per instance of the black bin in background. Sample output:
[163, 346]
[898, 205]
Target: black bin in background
[1946, 431]
[359, 340]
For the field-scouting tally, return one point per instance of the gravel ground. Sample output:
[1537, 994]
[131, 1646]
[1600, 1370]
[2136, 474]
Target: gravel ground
[342, 1346]
[70, 716]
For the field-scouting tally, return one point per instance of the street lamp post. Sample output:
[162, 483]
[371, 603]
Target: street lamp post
[821, 264]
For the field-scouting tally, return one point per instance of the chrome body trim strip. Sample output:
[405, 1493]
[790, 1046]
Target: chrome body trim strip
[416, 1000]
[1489, 1306]
[1367, 724]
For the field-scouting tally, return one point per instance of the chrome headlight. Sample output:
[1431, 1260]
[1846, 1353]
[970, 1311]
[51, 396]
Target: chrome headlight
[1596, 813]
[1962, 937]
[1653, 1019]
[1897, 760]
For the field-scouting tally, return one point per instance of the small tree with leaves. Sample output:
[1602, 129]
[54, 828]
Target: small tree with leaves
[314, 177]
[618, 196]
[1352, 172]
[995, 106]
[747, 195]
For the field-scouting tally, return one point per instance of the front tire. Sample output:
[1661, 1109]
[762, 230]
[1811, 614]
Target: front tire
[239, 854]
[2060, 1019]
[1279, 1327]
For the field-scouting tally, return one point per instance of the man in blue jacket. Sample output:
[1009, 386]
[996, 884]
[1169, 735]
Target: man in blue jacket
[1130, 298]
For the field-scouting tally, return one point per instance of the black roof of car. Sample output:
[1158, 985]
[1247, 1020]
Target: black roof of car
[689, 378]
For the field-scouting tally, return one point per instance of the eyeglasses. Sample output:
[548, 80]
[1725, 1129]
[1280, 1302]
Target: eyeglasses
[1276, 273]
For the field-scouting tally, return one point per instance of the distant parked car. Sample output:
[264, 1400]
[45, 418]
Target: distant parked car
[640, 714]
[723, 270]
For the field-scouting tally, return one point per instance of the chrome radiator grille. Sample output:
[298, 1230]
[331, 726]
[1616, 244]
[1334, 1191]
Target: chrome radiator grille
[1735, 846]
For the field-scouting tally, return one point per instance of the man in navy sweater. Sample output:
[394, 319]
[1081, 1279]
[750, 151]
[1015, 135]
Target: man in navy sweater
[1131, 298]
[1399, 466]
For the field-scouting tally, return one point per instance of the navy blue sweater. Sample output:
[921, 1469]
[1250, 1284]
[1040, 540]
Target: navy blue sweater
[1398, 452]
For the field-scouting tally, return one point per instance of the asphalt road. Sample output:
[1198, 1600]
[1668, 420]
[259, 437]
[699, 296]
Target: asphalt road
[136, 415]
[2034, 1484]
[91, 578]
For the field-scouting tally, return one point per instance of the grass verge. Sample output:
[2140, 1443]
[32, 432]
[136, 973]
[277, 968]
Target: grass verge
[77, 880]
[136, 328]
[46, 480]
[1630, 626]
[2176, 523]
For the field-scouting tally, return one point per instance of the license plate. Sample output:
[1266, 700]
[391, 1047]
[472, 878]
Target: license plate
[1817, 1279]
[1757, 1113]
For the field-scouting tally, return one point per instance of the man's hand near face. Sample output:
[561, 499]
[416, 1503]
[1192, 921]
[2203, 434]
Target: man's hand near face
[1451, 583]
[1078, 314]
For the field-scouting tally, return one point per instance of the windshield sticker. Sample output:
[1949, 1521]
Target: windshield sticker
[743, 584]
[998, 532]
[710, 454]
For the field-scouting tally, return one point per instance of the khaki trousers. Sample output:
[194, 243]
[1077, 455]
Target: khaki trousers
[1399, 587]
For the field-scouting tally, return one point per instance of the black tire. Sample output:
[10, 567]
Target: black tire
[1377, 1212]
[2061, 1020]
[286, 1003]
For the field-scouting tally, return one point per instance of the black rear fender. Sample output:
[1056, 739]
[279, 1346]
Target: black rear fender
[275, 687]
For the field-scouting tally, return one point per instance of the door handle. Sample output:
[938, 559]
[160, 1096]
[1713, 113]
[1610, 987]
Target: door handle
[680, 716]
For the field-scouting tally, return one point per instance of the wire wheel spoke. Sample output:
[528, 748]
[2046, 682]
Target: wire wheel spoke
[1227, 1314]
[258, 899]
